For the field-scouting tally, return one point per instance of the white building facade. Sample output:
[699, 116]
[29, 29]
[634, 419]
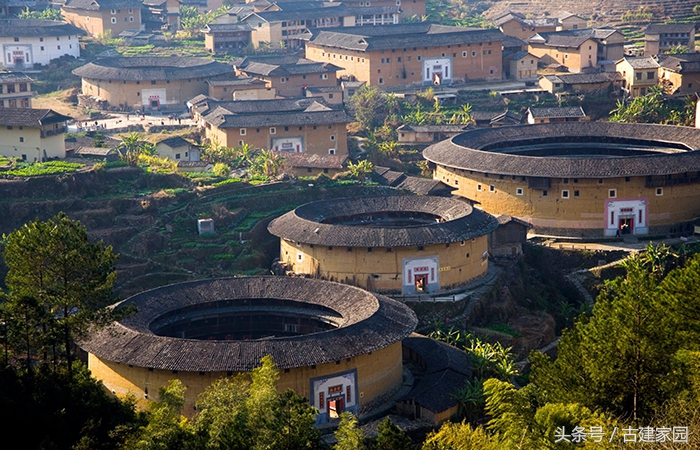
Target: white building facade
[27, 42]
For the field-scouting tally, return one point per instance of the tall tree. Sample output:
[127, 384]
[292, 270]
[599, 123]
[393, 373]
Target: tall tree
[349, 434]
[621, 360]
[369, 106]
[133, 145]
[53, 268]
[391, 437]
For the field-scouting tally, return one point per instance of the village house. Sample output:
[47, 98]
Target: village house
[32, 134]
[410, 53]
[27, 42]
[520, 66]
[581, 82]
[559, 114]
[226, 37]
[639, 74]
[333, 95]
[103, 17]
[290, 76]
[578, 49]
[659, 38]
[241, 88]
[148, 83]
[311, 165]
[408, 8]
[303, 125]
[16, 90]
[427, 134]
[289, 27]
[177, 148]
[680, 74]
[520, 26]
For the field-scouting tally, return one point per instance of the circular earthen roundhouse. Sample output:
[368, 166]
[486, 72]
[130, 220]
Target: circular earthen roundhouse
[578, 178]
[149, 83]
[393, 244]
[335, 344]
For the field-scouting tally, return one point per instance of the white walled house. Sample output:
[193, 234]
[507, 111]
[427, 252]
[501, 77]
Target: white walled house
[32, 134]
[26, 42]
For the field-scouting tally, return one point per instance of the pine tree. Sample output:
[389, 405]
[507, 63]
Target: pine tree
[349, 434]
[391, 437]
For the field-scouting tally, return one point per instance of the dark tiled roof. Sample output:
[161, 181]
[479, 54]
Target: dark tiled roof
[152, 68]
[238, 81]
[571, 38]
[96, 5]
[421, 186]
[285, 65]
[37, 28]
[268, 113]
[645, 62]
[447, 370]
[586, 78]
[656, 28]
[519, 55]
[29, 117]
[510, 42]
[367, 322]
[433, 128]
[175, 141]
[507, 17]
[557, 113]
[320, 12]
[683, 63]
[322, 89]
[307, 160]
[466, 151]
[223, 27]
[304, 223]
[15, 77]
[402, 36]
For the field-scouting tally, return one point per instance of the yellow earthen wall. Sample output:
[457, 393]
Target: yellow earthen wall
[128, 93]
[573, 58]
[677, 203]
[367, 66]
[316, 142]
[377, 373]
[359, 266]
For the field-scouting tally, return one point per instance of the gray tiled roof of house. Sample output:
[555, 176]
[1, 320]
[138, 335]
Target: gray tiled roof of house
[97, 5]
[269, 113]
[37, 28]
[30, 117]
[402, 36]
[471, 150]
[365, 322]
[645, 62]
[657, 28]
[299, 68]
[306, 223]
[433, 128]
[224, 27]
[322, 89]
[320, 12]
[447, 368]
[557, 113]
[683, 63]
[585, 78]
[238, 81]
[571, 38]
[519, 55]
[15, 77]
[152, 68]
[175, 141]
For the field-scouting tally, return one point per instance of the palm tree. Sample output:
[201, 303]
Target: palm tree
[269, 162]
[463, 116]
[361, 169]
[131, 146]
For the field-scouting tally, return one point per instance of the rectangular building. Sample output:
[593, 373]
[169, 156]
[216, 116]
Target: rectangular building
[303, 125]
[32, 134]
[15, 90]
[410, 53]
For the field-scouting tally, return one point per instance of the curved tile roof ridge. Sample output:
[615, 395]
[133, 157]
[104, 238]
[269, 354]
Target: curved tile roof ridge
[370, 322]
[139, 68]
[462, 222]
[470, 150]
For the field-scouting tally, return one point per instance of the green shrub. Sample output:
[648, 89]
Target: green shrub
[47, 168]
